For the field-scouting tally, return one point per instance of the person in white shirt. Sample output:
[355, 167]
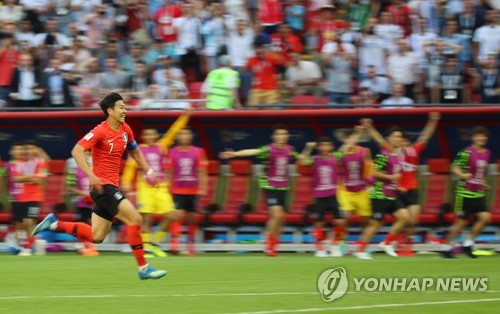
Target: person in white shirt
[389, 31]
[373, 50]
[215, 34]
[486, 38]
[166, 65]
[240, 43]
[11, 12]
[303, 77]
[397, 100]
[189, 40]
[26, 33]
[335, 44]
[52, 37]
[417, 40]
[403, 68]
[82, 8]
[377, 84]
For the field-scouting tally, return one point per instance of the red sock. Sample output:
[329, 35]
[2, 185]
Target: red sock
[135, 242]
[275, 242]
[340, 233]
[175, 230]
[319, 235]
[80, 230]
[390, 237]
[362, 246]
[29, 242]
[271, 242]
[191, 237]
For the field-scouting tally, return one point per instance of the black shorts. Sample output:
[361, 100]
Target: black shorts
[24, 210]
[324, 205]
[84, 214]
[275, 197]
[385, 206]
[408, 198]
[185, 202]
[466, 206]
[106, 204]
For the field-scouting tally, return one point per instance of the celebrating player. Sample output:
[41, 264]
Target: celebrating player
[155, 199]
[187, 170]
[387, 172]
[108, 142]
[408, 184]
[470, 166]
[274, 181]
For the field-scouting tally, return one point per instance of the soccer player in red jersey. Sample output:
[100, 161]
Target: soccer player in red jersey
[107, 142]
[187, 171]
[408, 183]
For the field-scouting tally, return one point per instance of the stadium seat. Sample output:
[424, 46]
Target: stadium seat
[436, 190]
[237, 192]
[495, 208]
[302, 195]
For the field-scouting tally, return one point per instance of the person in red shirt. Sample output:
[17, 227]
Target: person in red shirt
[271, 15]
[285, 41]
[9, 56]
[326, 26]
[187, 170]
[408, 184]
[265, 78]
[108, 142]
[164, 20]
[401, 15]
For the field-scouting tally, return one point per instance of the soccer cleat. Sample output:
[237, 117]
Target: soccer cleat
[44, 224]
[151, 273]
[388, 249]
[447, 254]
[320, 254]
[271, 253]
[335, 251]
[25, 252]
[363, 255]
[468, 251]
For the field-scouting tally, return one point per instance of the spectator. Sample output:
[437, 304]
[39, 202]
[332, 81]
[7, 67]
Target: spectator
[36, 11]
[372, 50]
[366, 98]
[265, 79]
[89, 85]
[270, 15]
[335, 44]
[418, 39]
[400, 15]
[98, 27]
[137, 18]
[61, 13]
[140, 81]
[56, 86]
[486, 38]
[221, 87]
[215, 34]
[398, 98]
[359, 12]
[8, 61]
[201, 10]
[379, 85]
[453, 36]
[436, 57]
[80, 53]
[110, 50]
[154, 52]
[237, 9]
[403, 68]
[388, 31]
[295, 13]
[339, 65]
[261, 36]
[128, 61]
[489, 80]
[451, 87]
[303, 77]
[285, 41]
[328, 25]
[25, 87]
[469, 20]
[11, 12]
[80, 9]
[240, 48]
[166, 65]
[113, 79]
[177, 91]
[189, 41]
[25, 33]
[51, 37]
[164, 19]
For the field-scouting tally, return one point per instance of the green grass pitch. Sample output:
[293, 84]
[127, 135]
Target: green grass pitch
[232, 283]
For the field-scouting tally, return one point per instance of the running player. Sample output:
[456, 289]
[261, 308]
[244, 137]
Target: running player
[387, 172]
[108, 142]
[408, 184]
[187, 171]
[470, 165]
[274, 181]
[32, 175]
[155, 199]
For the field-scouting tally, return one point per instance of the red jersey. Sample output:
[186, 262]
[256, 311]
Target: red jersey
[32, 192]
[409, 175]
[107, 147]
[264, 71]
[288, 44]
[326, 31]
[401, 16]
[164, 20]
[8, 62]
[270, 12]
[185, 165]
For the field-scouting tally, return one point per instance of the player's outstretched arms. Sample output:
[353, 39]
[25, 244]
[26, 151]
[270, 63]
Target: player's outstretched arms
[377, 137]
[228, 154]
[95, 183]
[429, 128]
[303, 157]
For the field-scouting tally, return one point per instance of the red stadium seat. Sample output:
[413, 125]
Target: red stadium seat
[56, 166]
[436, 191]
[302, 196]
[237, 192]
[495, 209]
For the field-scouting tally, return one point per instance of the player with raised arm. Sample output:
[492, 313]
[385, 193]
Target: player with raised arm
[108, 142]
[470, 165]
[187, 172]
[408, 184]
[387, 172]
[155, 199]
[274, 181]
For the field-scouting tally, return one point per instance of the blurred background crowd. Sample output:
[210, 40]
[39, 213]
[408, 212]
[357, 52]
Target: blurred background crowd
[69, 53]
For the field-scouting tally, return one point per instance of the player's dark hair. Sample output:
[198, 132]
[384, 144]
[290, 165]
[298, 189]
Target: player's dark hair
[31, 142]
[324, 139]
[480, 130]
[17, 144]
[109, 102]
[393, 130]
[279, 127]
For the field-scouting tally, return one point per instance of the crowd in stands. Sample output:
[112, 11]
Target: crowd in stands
[69, 53]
